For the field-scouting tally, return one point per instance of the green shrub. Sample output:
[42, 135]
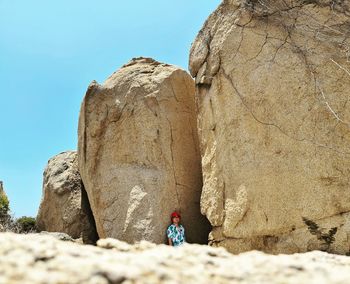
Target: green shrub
[26, 224]
[4, 207]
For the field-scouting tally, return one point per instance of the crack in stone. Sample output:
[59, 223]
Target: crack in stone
[272, 124]
[334, 113]
[283, 232]
[341, 67]
[249, 110]
[173, 161]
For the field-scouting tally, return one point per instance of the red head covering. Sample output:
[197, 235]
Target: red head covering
[175, 214]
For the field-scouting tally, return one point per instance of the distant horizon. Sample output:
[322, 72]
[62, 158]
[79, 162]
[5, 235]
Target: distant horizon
[52, 51]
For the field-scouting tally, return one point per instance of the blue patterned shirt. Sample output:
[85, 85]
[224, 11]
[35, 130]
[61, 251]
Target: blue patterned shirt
[176, 234]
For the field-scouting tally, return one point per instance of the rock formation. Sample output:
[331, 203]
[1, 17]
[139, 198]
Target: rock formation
[138, 152]
[63, 207]
[2, 191]
[35, 259]
[272, 87]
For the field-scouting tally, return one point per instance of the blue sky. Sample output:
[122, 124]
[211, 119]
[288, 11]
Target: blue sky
[49, 53]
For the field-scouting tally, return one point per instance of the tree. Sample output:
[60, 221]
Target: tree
[26, 224]
[4, 208]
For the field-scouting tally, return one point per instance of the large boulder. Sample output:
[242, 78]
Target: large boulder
[64, 206]
[138, 152]
[39, 259]
[273, 85]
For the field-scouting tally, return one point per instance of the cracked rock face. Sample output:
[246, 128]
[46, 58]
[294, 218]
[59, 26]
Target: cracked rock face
[63, 208]
[43, 259]
[138, 152]
[272, 88]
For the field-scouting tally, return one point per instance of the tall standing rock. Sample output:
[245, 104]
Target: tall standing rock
[64, 206]
[138, 152]
[272, 86]
[2, 191]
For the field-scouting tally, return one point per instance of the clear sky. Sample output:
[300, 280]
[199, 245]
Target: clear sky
[49, 53]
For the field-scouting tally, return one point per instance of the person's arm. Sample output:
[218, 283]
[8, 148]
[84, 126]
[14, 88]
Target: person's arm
[169, 235]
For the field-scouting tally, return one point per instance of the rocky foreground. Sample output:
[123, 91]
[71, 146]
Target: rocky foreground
[43, 259]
